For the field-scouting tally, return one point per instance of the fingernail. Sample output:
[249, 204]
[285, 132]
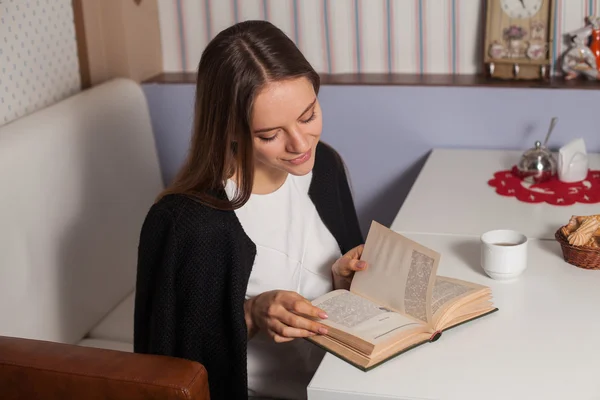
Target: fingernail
[362, 264]
[323, 315]
[323, 331]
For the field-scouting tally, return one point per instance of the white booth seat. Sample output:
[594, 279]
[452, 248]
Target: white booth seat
[77, 179]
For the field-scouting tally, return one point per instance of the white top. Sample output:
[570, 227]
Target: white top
[452, 196]
[295, 252]
[541, 344]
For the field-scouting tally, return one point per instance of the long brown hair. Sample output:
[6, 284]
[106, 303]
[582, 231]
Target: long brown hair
[233, 68]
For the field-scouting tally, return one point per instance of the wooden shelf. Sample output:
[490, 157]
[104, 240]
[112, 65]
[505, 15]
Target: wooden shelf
[173, 77]
[410, 80]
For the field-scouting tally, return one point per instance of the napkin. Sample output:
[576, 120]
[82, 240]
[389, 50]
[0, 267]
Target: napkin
[573, 161]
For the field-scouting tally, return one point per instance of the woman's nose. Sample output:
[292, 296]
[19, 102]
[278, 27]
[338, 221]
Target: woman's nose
[298, 142]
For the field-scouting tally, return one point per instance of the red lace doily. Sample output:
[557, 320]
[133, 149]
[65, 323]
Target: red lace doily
[553, 191]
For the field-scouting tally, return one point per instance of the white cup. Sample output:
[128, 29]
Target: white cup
[503, 254]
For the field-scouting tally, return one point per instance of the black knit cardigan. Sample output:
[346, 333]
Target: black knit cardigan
[194, 263]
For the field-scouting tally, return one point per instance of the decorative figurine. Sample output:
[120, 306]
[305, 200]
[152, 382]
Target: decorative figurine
[595, 42]
[579, 59]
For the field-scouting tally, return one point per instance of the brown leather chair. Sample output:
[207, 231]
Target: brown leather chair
[35, 369]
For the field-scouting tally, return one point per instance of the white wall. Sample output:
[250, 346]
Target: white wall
[38, 55]
[337, 36]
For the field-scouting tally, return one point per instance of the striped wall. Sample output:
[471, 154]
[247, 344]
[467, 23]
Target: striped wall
[342, 36]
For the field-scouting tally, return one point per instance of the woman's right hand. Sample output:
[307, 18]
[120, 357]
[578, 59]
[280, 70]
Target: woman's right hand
[282, 315]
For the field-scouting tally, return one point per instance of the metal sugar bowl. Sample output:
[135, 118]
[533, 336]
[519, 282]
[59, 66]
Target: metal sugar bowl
[538, 164]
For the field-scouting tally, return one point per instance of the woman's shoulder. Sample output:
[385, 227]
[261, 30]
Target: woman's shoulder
[185, 214]
[327, 157]
[180, 204]
[328, 163]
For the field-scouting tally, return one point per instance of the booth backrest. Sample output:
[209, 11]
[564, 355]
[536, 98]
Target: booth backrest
[76, 181]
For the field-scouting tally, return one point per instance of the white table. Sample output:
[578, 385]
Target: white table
[543, 343]
[440, 203]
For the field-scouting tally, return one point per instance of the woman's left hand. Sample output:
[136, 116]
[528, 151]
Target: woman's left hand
[344, 268]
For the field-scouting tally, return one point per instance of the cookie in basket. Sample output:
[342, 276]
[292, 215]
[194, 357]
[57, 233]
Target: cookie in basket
[580, 241]
[583, 231]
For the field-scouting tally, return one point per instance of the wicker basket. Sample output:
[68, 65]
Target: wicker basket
[582, 257]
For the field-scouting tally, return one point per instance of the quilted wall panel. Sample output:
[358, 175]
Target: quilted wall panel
[38, 56]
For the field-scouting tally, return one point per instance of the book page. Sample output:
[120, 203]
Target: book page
[449, 297]
[445, 291]
[401, 273]
[358, 316]
[417, 295]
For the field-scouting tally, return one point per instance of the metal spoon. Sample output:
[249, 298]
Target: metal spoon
[552, 125]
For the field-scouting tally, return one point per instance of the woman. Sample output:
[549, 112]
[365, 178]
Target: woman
[252, 228]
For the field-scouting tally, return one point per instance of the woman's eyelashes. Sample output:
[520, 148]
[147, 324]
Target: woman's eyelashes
[268, 139]
[303, 121]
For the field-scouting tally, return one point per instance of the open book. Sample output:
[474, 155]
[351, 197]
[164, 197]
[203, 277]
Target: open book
[397, 304]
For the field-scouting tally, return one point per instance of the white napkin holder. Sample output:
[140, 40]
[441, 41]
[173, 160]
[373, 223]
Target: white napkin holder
[573, 161]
